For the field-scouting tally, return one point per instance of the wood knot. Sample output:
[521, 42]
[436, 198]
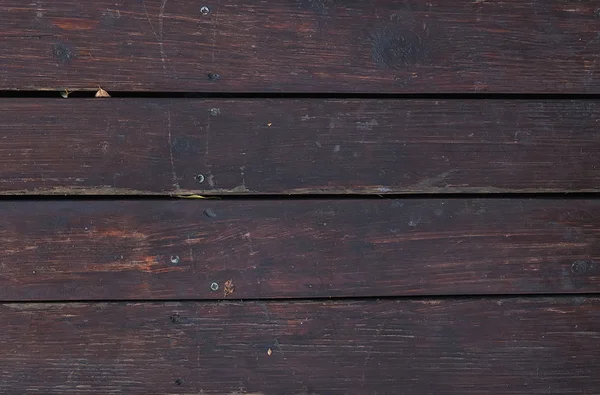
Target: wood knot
[397, 48]
[580, 267]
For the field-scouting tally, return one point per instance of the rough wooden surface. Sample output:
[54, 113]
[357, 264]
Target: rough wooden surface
[301, 45]
[447, 347]
[159, 146]
[86, 250]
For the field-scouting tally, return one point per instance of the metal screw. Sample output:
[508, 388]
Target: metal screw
[174, 259]
[200, 178]
[214, 286]
[214, 112]
[205, 10]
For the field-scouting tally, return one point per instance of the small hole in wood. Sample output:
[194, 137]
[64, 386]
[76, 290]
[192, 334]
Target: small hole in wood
[213, 76]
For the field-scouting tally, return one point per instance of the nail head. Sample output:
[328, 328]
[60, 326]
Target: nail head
[174, 259]
[214, 286]
[200, 178]
[205, 10]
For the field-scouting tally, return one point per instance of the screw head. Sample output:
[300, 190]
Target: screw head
[213, 76]
[214, 287]
[199, 178]
[205, 10]
[174, 259]
[214, 112]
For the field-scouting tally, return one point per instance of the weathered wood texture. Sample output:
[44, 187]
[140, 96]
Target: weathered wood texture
[278, 249]
[301, 45]
[498, 346]
[145, 146]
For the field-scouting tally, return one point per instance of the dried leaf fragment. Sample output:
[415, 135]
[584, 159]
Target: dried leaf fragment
[192, 197]
[229, 288]
[102, 93]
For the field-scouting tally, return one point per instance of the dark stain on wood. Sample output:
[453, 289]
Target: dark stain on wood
[176, 147]
[319, 6]
[86, 250]
[63, 53]
[449, 347]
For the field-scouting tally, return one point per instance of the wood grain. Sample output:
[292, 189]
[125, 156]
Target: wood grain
[448, 347]
[154, 146]
[393, 46]
[128, 250]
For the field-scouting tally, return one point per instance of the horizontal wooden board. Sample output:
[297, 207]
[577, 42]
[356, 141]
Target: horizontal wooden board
[301, 45]
[498, 346]
[127, 250]
[154, 146]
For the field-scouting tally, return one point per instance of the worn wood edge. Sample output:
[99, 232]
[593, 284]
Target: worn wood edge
[217, 192]
[403, 154]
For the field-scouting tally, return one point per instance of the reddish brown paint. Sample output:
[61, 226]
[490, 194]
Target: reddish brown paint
[114, 250]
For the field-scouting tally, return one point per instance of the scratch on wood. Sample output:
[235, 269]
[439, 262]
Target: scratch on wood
[209, 175]
[161, 16]
[159, 35]
[280, 349]
[174, 173]
[432, 181]
[250, 244]
[263, 305]
[215, 27]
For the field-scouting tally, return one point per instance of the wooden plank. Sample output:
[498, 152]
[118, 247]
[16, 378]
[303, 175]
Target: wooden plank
[498, 346]
[393, 46]
[107, 250]
[153, 146]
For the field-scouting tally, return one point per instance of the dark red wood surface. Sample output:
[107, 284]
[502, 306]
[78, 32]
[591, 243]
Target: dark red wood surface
[447, 347]
[91, 250]
[393, 46]
[160, 146]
